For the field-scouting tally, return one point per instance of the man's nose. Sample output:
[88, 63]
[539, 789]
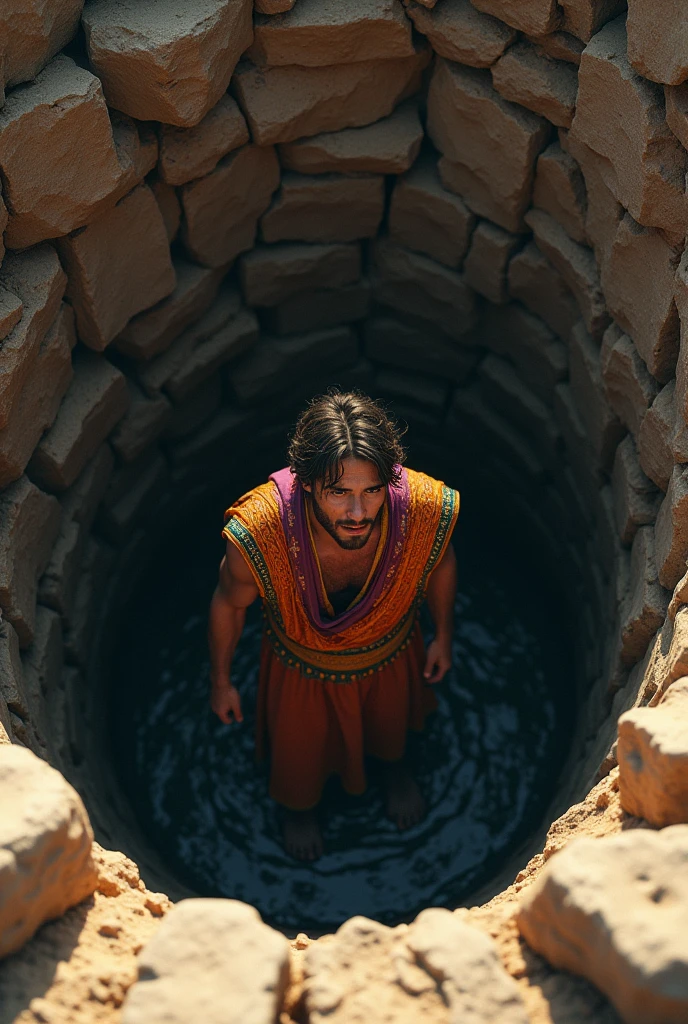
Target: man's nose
[356, 509]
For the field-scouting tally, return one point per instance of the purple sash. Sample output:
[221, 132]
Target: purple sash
[293, 512]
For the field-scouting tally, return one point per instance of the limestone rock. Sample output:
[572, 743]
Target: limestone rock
[273, 6]
[458, 31]
[188, 153]
[677, 112]
[538, 82]
[29, 523]
[644, 165]
[495, 141]
[271, 274]
[11, 308]
[318, 33]
[645, 605]
[162, 61]
[97, 399]
[31, 33]
[117, 266]
[560, 46]
[629, 387]
[284, 103]
[535, 282]
[46, 838]
[299, 363]
[169, 206]
[612, 909]
[539, 357]
[388, 146]
[654, 437]
[142, 424]
[559, 190]
[535, 18]
[671, 530]
[398, 344]
[586, 17]
[151, 332]
[214, 958]
[221, 211]
[316, 310]
[653, 759]
[57, 153]
[576, 263]
[636, 499]
[425, 217]
[487, 262]
[603, 427]
[37, 280]
[654, 52]
[40, 397]
[42, 667]
[325, 208]
[411, 283]
[639, 283]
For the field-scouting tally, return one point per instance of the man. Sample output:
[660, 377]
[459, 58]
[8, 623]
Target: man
[342, 546]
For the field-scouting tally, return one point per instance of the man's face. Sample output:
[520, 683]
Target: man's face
[349, 509]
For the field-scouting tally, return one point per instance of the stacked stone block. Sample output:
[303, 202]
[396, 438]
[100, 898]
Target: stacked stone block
[476, 210]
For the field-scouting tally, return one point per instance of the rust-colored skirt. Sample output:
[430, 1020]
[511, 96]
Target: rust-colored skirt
[315, 728]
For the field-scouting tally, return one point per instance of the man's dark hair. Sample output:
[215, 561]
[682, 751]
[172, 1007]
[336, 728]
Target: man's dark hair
[339, 426]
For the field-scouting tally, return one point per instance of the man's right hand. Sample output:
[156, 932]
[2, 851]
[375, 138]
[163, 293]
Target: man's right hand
[226, 703]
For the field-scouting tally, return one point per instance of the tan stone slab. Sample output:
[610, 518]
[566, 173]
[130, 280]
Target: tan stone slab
[117, 266]
[465, 117]
[40, 397]
[636, 499]
[612, 910]
[271, 274]
[655, 437]
[411, 283]
[544, 85]
[324, 208]
[653, 759]
[11, 677]
[166, 61]
[654, 52]
[42, 665]
[629, 388]
[676, 99]
[142, 424]
[226, 346]
[604, 213]
[97, 399]
[458, 31]
[425, 217]
[503, 390]
[560, 46]
[525, 339]
[46, 840]
[29, 523]
[202, 947]
[389, 146]
[577, 265]
[671, 530]
[318, 309]
[188, 153]
[487, 263]
[536, 282]
[298, 363]
[403, 345]
[645, 605]
[36, 278]
[603, 427]
[169, 206]
[221, 211]
[639, 284]
[282, 104]
[273, 6]
[151, 332]
[644, 164]
[31, 33]
[535, 18]
[559, 190]
[317, 33]
[586, 17]
[11, 308]
[57, 153]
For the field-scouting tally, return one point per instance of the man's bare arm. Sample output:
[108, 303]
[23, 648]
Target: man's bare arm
[235, 591]
[441, 594]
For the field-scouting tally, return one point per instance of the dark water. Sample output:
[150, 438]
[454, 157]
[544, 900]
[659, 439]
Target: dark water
[487, 763]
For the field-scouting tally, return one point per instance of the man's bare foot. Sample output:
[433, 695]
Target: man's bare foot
[405, 803]
[302, 836]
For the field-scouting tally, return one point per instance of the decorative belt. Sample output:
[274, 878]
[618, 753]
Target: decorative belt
[341, 666]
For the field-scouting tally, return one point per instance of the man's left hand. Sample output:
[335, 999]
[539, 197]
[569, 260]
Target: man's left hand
[437, 660]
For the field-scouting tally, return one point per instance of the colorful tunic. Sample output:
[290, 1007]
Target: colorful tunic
[333, 688]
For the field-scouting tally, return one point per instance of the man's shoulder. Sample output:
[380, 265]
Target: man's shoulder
[256, 509]
[424, 488]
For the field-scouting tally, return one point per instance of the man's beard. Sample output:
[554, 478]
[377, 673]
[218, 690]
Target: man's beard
[350, 543]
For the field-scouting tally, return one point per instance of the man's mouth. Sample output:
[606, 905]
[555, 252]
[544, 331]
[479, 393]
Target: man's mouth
[354, 528]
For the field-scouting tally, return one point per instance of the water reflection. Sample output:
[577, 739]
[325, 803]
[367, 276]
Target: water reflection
[487, 763]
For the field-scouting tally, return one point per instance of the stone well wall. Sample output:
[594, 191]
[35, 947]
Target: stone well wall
[212, 210]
